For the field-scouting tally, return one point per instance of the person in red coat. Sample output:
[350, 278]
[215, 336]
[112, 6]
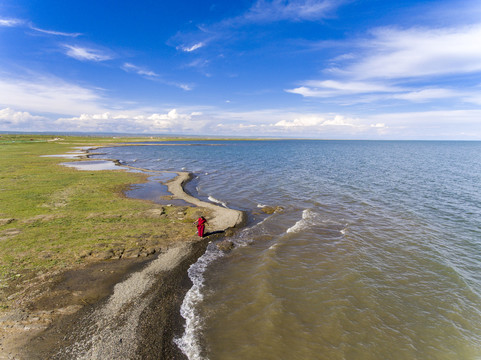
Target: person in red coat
[201, 226]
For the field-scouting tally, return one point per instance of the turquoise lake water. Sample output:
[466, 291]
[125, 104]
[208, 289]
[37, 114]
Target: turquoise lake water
[376, 255]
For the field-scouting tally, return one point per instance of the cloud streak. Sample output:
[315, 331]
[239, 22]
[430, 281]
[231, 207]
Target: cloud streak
[48, 95]
[331, 88]
[191, 48]
[18, 23]
[11, 22]
[359, 92]
[56, 33]
[86, 54]
[403, 65]
[262, 12]
[291, 10]
[416, 52]
[128, 67]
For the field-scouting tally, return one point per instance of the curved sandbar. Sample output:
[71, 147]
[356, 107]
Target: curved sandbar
[223, 218]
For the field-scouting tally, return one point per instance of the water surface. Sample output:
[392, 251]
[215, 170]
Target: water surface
[377, 254]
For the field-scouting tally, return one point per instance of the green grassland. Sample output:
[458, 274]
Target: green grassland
[54, 217]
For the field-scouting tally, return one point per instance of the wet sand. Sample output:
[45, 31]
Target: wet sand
[135, 313]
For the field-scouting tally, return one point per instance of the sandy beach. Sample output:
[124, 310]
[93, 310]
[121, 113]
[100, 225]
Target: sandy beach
[135, 313]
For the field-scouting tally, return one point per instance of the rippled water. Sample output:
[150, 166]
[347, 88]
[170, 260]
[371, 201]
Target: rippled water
[377, 254]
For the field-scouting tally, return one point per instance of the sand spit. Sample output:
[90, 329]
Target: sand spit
[223, 218]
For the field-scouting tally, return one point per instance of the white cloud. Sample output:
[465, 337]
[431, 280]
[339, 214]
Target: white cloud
[415, 52]
[300, 122]
[198, 63]
[427, 95]
[140, 71]
[309, 121]
[261, 12]
[186, 87]
[449, 124]
[151, 75]
[330, 88]
[11, 22]
[171, 121]
[293, 10]
[92, 122]
[17, 22]
[192, 47]
[275, 122]
[130, 121]
[436, 118]
[404, 65]
[309, 92]
[352, 86]
[57, 33]
[81, 53]
[43, 94]
[11, 119]
[376, 93]
[163, 121]
[459, 124]
[453, 124]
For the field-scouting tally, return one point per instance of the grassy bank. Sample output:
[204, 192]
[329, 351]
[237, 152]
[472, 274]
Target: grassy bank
[54, 217]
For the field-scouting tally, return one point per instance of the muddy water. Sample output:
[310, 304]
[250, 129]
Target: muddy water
[376, 255]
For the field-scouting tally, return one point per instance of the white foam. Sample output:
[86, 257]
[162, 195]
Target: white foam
[301, 224]
[261, 206]
[189, 342]
[312, 219]
[214, 200]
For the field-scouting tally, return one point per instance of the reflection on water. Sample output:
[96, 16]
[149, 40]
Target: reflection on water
[155, 190]
[95, 165]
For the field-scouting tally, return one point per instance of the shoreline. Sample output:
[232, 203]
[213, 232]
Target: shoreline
[160, 295]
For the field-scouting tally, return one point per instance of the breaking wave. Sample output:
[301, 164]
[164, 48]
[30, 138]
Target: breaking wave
[306, 221]
[189, 342]
[214, 200]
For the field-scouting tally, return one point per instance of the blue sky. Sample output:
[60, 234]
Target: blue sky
[344, 69]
